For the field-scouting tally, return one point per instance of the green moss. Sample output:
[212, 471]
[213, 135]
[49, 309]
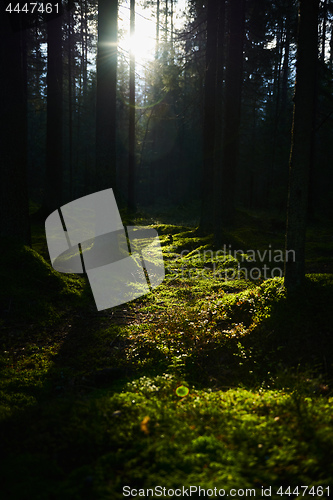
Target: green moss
[31, 288]
[206, 381]
[149, 436]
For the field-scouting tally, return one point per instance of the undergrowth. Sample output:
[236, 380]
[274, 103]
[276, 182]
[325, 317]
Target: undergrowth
[207, 381]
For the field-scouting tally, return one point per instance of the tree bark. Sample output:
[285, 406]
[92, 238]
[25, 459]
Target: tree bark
[233, 94]
[70, 105]
[209, 120]
[323, 39]
[54, 125]
[131, 134]
[14, 205]
[157, 46]
[285, 68]
[106, 169]
[218, 182]
[301, 143]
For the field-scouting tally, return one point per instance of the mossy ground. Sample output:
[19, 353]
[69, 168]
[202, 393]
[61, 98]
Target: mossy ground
[206, 381]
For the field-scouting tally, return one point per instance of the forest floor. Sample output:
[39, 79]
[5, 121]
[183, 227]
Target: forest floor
[207, 382]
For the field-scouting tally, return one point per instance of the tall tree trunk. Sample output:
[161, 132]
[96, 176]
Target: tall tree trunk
[153, 164]
[70, 105]
[131, 135]
[331, 48]
[84, 45]
[218, 186]
[172, 47]
[171, 22]
[157, 46]
[285, 69]
[233, 94]
[166, 21]
[276, 114]
[14, 206]
[54, 125]
[209, 121]
[301, 144]
[323, 39]
[106, 168]
[84, 73]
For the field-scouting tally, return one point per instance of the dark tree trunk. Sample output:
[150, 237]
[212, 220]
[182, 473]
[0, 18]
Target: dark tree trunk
[166, 21]
[276, 114]
[285, 69]
[106, 169]
[54, 126]
[157, 46]
[70, 106]
[131, 134]
[14, 206]
[152, 121]
[84, 72]
[302, 140]
[323, 39]
[233, 91]
[331, 48]
[209, 120]
[219, 125]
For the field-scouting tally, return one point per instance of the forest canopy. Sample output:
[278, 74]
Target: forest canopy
[170, 95]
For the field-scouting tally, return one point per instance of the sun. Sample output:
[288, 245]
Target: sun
[142, 45]
[143, 42]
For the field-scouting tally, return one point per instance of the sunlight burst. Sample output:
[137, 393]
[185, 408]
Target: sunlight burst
[142, 45]
[143, 42]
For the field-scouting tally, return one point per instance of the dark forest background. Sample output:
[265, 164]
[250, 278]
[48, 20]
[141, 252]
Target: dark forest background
[212, 113]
